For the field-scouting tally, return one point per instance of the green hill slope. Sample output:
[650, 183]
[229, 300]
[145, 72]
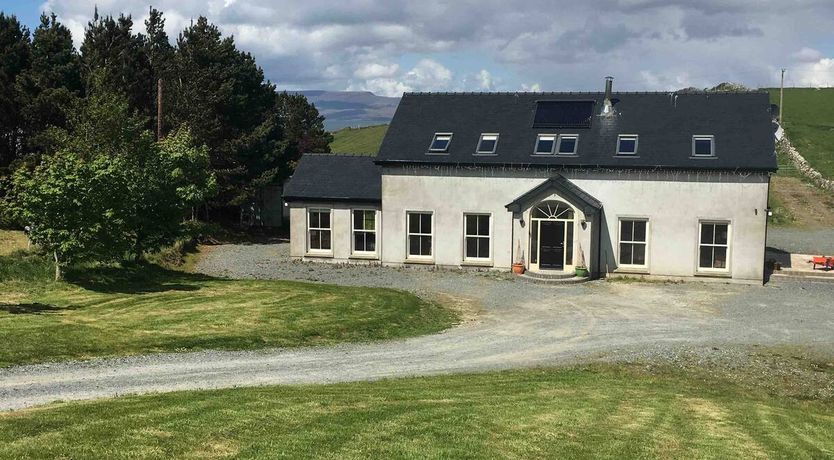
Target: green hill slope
[809, 122]
[358, 140]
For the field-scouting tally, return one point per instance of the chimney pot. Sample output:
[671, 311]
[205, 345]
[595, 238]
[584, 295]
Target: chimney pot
[607, 106]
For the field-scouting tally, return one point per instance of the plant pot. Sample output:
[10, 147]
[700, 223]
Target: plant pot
[582, 272]
[518, 269]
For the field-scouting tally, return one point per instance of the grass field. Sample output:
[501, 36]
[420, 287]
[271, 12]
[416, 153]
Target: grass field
[358, 140]
[11, 241]
[146, 309]
[809, 122]
[598, 412]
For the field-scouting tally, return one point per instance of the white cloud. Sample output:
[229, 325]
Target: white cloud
[820, 73]
[374, 70]
[807, 55]
[485, 80]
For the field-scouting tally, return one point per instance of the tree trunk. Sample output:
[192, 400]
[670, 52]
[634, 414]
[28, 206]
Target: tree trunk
[58, 274]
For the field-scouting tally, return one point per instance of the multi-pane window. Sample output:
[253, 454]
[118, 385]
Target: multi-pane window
[627, 144]
[364, 230]
[318, 230]
[714, 245]
[440, 142]
[633, 241]
[476, 236]
[488, 143]
[545, 144]
[567, 144]
[419, 234]
[703, 146]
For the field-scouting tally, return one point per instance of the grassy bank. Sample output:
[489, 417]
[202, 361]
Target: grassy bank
[809, 122]
[358, 140]
[146, 309]
[582, 413]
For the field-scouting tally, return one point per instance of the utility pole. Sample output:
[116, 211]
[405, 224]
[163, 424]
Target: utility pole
[782, 100]
[159, 109]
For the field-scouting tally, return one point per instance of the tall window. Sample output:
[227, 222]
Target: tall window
[627, 144]
[633, 242]
[318, 230]
[714, 245]
[364, 231]
[419, 234]
[476, 235]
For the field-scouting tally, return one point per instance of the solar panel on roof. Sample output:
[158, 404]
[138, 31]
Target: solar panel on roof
[563, 114]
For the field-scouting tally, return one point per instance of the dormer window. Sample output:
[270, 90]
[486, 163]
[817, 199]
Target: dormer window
[545, 144]
[627, 144]
[440, 142]
[567, 144]
[487, 144]
[703, 146]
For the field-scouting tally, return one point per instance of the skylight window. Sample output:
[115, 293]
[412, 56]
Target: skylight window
[567, 144]
[627, 144]
[545, 144]
[440, 142]
[563, 114]
[488, 143]
[703, 146]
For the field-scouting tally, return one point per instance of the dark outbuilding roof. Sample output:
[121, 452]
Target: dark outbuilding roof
[567, 189]
[665, 123]
[330, 177]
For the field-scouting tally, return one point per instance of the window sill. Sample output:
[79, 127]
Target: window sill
[626, 155]
[485, 154]
[632, 270]
[419, 261]
[321, 255]
[373, 256]
[476, 263]
[437, 153]
[703, 157]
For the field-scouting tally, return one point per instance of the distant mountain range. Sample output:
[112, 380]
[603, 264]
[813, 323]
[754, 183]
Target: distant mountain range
[352, 108]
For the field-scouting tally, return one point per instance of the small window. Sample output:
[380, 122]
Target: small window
[488, 143]
[419, 234]
[703, 146]
[567, 144]
[714, 246]
[318, 230]
[440, 142]
[627, 144]
[364, 231]
[545, 144]
[633, 242]
[476, 236]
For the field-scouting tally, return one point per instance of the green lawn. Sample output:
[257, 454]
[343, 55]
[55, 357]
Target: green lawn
[147, 309]
[11, 241]
[809, 122]
[573, 413]
[358, 140]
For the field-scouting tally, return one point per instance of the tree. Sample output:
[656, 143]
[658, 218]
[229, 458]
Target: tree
[304, 129]
[51, 85]
[117, 58]
[14, 59]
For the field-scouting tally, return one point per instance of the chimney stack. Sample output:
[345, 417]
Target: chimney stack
[607, 106]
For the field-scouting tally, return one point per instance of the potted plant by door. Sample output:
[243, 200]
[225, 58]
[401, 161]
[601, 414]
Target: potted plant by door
[581, 268]
[518, 266]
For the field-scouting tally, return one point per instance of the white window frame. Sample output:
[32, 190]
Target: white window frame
[435, 138]
[728, 246]
[310, 249]
[481, 260]
[354, 230]
[633, 242]
[483, 137]
[575, 137]
[704, 137]
[408, 235]
[555, 139]
[636, 145]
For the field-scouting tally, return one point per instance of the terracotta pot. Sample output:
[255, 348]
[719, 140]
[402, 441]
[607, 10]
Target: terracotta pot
[518, 269]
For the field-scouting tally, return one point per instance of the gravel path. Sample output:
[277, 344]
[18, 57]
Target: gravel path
[517, 325]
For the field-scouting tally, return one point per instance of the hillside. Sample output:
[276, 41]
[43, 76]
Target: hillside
[809, 122]
[358, 140]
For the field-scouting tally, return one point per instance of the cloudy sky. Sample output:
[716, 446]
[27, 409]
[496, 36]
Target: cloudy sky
[390, 46]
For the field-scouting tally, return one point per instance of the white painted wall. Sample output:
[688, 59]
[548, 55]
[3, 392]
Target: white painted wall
[341, 232]
[674, 202]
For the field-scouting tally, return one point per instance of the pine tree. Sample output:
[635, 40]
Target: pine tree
[50, 86]
[14, 59]
[159, 51]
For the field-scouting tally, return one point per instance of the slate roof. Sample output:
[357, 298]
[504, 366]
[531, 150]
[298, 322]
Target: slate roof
[665, 123]
[332, 177]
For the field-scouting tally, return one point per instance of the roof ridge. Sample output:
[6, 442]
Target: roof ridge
[557, 93]
[338, 154]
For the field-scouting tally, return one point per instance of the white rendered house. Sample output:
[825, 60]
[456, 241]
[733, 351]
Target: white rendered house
[668, 184]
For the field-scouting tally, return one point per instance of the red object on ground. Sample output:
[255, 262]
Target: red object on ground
[826, 262]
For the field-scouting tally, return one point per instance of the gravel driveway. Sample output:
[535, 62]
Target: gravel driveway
[511, 324]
